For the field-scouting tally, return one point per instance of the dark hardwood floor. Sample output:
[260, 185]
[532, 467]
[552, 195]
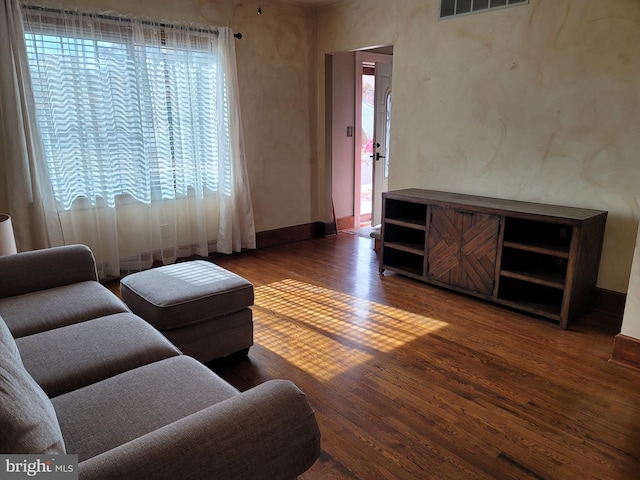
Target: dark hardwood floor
[409, 381]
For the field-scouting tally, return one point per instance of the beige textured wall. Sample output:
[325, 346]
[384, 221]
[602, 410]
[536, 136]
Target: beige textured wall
[538, 102]
[277, 77]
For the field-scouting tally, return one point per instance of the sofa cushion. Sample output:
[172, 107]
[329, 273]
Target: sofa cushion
[67, 358]
[8, 341]
[46, 268]
[27, 418]
[57, 307]
[106, 414]
[267, 432]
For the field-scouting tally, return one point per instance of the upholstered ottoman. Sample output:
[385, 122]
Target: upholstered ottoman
[200, 307]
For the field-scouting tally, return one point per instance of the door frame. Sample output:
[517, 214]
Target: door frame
[382, 136]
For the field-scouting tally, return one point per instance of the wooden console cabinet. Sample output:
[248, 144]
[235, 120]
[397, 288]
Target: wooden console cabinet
[539, 258]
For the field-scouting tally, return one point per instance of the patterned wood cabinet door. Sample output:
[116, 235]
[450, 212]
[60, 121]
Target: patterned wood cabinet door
[463, 248]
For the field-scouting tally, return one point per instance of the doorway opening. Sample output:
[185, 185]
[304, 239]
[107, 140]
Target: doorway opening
[358, 94]
[373, 108]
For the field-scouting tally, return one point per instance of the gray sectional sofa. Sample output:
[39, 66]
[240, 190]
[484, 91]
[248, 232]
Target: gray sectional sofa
[81, 374]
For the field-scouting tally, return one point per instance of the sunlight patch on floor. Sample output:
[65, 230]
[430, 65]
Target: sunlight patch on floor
[327, 333]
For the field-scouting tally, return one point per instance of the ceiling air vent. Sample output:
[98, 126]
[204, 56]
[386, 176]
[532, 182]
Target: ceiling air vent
[453, 8]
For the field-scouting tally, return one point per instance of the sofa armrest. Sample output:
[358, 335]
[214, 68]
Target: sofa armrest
[269, 431]
[36, 270]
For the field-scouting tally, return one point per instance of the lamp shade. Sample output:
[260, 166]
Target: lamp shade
[7, 240]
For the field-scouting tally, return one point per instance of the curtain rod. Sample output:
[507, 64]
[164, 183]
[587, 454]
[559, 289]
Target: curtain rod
[119, 18]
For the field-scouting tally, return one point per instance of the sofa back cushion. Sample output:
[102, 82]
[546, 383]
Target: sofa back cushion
[8, 341]
[46, 268]
[28, 421]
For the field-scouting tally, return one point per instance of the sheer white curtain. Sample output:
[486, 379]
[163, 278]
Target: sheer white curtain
[26, 179]
[140, 124]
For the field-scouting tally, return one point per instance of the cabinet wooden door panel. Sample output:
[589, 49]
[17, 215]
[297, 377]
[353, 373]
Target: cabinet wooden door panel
[479, 252]
[463, 248]
[444, 245]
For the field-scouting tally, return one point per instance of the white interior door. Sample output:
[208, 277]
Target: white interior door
[381, 135]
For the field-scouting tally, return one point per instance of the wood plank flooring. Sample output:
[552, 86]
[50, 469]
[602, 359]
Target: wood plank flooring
[409, 381]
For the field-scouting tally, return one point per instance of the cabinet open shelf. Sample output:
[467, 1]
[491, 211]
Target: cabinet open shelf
[415, 248]
[536, 233]
[551, 280]
[408, 222]
[542, 259]
[406, 214]
[537, 308]
[532, 297]
[558, 251]
[402, 261]
[410, 237]
[533, 266]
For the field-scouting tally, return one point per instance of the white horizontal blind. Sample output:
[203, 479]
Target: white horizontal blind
[128, 109]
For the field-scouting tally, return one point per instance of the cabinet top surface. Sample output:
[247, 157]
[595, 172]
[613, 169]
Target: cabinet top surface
[464, 200]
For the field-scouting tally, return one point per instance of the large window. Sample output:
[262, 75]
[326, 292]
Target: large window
[128, 111]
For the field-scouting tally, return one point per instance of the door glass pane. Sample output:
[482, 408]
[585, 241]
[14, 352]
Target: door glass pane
[387, 134]
[366, 147]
